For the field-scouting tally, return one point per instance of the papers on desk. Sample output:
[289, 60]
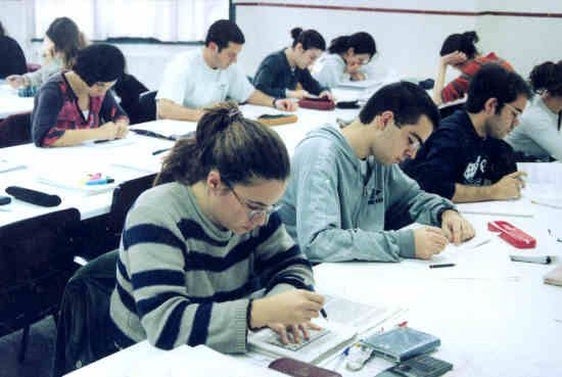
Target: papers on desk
[166, 129]
[520, 207]
[7, 165]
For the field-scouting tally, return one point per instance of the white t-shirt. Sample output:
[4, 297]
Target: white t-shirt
[329, 70]
[190, 82]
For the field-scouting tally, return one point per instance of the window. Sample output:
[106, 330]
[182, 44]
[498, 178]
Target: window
[165, 20]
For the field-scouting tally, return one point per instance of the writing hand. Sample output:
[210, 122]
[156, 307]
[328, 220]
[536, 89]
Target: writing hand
[428, 241]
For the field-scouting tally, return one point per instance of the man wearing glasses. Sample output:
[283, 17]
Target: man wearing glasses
[466, 159]
[345, 184]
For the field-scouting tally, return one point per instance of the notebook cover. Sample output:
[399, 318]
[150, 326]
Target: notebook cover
[402, 343]
[554, 276]
[298, 368]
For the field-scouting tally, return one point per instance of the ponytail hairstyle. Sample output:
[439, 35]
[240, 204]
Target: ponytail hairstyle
[67, 39]
[361, 42]
[308, 39]
[240, 149]
[465, 42]
[547, 77]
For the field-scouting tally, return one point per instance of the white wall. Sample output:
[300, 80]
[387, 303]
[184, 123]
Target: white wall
[408, 43]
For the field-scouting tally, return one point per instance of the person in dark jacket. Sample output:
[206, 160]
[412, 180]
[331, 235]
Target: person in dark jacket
[465, 159]
[285, 73]
[13, 59]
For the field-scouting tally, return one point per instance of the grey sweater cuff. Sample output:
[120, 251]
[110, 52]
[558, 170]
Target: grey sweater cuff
[406, 245]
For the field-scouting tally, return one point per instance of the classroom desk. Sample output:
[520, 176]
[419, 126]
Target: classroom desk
[121, 159]
[11, 103]
[494, 317]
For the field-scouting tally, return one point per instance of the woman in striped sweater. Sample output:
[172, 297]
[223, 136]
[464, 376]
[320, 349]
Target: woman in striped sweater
[204, 256]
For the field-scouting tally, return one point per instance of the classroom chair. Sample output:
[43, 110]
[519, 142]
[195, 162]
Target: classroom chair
[147, 105]
[15, 130]
[112, 224]
[84, 325]
[35, 264]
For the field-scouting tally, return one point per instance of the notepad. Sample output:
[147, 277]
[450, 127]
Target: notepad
[165, 129]
[323, 343]
[402, 343]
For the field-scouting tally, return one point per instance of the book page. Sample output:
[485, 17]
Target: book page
[324, 343]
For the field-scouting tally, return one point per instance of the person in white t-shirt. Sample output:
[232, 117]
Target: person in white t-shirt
[200, 78]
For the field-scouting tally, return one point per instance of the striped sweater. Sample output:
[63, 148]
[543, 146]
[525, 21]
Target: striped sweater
[183, 280]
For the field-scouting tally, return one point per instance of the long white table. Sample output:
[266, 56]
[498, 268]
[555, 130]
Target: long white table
[11, 103]
[494, 317]
[121, 159]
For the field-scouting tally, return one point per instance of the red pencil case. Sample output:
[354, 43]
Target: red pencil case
[317, 103]
[512, 234]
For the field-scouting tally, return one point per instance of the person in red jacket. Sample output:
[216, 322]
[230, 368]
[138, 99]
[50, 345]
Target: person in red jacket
[459, 51]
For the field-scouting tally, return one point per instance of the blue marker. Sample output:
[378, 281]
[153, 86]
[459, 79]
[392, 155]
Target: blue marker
[101, 181]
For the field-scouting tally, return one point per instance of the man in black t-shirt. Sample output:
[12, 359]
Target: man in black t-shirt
[465, 159]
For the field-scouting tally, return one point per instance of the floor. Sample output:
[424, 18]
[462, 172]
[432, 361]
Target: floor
[38, 357]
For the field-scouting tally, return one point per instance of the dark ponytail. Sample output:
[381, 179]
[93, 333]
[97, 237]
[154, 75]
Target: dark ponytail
[361, 42]
[239, 148]
[308, 39]
[547, 77]
[465, 42]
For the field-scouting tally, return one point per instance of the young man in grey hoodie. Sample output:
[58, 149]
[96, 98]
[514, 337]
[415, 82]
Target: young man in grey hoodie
[344, 183]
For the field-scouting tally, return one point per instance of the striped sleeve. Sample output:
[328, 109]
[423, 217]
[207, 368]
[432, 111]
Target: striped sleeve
[156, 259]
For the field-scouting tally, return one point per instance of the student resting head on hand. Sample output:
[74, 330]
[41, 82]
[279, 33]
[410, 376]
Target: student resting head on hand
[204, 256]
[347, 57]
[459, 51]
[75, 106]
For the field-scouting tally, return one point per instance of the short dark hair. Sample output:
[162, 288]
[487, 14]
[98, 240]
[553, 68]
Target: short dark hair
[66, 37]
[406, 100]
[230, 143]
[494, 81]
[222, 32]
[361, 42]
[547, 77]
[465, 42]
[308, 39]
[99, 63]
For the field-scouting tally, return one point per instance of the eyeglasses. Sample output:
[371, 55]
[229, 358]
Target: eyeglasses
[514, 111]
[254, 212]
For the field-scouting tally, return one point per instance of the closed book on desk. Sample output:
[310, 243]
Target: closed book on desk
[402, 343]
[554, 276]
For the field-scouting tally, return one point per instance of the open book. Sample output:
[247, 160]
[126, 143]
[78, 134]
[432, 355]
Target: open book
[346, 319]
[331, 339]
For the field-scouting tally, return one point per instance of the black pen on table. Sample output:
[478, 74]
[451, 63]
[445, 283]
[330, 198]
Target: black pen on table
[160, 151]
[440, 265]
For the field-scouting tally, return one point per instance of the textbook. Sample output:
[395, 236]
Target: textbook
[402, 343]
[328, 341]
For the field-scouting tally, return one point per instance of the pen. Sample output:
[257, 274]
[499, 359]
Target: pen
[101, 141]
[440, 265]
[101, 181]
[540, 259]
[541, 203]
[160, 151]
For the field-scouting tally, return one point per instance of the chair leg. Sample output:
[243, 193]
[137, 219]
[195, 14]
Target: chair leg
[23, 344]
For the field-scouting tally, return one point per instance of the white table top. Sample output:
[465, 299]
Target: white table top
[11, 103]
[122, 160]
[494, 317]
